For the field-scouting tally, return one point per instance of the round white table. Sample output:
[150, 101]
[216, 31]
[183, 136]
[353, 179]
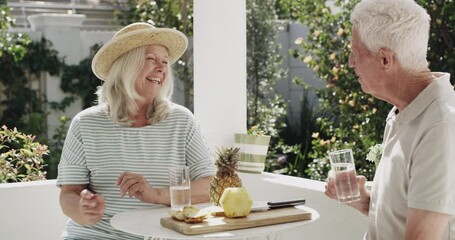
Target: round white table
[146, 222]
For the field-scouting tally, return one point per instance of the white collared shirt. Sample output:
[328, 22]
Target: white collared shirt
[417, 169]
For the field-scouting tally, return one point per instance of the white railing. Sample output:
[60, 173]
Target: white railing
[100, 14]
[31, 210]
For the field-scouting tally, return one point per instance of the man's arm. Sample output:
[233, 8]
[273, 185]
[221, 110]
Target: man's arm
[422, 224]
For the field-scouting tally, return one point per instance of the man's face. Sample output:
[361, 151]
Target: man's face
[365, 64]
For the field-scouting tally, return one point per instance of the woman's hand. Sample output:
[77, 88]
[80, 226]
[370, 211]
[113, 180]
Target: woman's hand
[81, 205]
[135, 185]
[92, 206]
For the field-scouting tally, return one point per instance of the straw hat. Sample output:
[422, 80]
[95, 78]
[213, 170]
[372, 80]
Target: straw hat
[137, 35]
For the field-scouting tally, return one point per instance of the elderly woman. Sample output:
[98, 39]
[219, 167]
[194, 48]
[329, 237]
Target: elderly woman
[117, 154]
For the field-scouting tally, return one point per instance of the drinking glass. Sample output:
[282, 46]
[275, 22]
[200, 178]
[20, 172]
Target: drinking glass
[180, 188]
[342, 163]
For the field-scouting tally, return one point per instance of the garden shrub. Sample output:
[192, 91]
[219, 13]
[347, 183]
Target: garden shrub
[21, 157]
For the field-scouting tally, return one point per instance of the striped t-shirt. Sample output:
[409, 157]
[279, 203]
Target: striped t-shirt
[97, 151]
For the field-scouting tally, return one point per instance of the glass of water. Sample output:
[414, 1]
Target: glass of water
[180, 188]
[342, 163]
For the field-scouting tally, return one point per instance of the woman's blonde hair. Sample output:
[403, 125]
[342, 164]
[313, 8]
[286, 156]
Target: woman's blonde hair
[118, 93]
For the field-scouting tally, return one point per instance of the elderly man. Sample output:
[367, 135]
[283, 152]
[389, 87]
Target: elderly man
[413, 192]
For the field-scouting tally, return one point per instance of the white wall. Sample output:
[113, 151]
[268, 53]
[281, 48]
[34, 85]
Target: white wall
[90, 38]
[30, 210]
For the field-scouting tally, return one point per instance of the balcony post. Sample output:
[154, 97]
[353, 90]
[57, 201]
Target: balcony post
[220, 69]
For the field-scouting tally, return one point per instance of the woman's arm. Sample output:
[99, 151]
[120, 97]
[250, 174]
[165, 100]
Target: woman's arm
[200, 190]
[135, 185]
[81, 205]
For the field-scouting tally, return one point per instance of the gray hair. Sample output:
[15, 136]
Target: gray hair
[399, 25]
[119, 95]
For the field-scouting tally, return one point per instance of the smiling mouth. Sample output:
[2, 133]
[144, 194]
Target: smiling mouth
[155, 80]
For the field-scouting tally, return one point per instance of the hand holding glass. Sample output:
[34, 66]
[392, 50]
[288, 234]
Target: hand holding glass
[342, 162]
[180, 189]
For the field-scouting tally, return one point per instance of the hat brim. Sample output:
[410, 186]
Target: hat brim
[175, 41]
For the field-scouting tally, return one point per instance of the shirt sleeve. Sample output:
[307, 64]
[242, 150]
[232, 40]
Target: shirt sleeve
[72, 169]
[432, 181]
[198, 155]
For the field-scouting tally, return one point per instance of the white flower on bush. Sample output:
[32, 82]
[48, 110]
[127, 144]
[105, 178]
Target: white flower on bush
[375, 154]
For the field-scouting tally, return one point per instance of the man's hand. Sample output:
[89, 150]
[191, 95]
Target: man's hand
[362, 205]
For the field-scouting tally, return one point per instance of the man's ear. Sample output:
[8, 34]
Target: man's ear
[387, 58]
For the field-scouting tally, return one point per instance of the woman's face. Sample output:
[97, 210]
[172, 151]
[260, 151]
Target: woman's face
[154, 72]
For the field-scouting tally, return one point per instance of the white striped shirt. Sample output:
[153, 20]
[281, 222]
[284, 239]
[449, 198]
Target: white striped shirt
[97, 151]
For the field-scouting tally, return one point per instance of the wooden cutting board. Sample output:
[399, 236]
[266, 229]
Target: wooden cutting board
[221, 224]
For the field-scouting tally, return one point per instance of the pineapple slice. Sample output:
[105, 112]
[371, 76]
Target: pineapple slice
[236, 202]
[190, 214]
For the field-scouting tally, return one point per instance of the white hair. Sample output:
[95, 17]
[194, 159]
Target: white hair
[399, 25]
[119, 95]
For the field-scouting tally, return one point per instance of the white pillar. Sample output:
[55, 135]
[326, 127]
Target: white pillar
[63, 30]
[220, 69]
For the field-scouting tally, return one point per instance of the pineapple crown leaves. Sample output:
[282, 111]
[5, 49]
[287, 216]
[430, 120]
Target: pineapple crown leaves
[227, 159]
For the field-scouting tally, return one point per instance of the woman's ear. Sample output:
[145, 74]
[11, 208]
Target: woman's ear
[387, 58]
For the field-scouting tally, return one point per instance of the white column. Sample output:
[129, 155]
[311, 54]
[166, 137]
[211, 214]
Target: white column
[220, 69]
[63, 30]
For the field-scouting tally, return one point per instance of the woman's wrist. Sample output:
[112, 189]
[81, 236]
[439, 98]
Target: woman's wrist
[159, 196]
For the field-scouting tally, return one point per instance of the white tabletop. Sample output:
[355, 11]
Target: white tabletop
[146, 222]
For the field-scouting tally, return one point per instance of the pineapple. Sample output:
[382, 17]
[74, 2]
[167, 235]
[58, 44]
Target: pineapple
[226, 175]
[236, 202]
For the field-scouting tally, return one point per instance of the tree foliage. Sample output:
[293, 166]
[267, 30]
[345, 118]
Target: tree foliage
[13, 44]
[22, 102]
[441, 47]
[80, 81]
[266, 108]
